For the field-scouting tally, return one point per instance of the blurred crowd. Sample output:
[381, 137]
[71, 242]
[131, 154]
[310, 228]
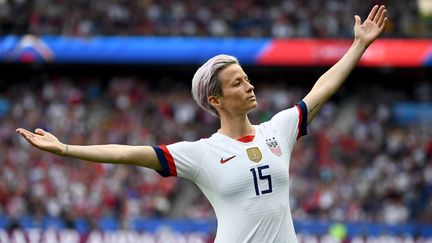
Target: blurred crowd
[257, 18]
[356, 164]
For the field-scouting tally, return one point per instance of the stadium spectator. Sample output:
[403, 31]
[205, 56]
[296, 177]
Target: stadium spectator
[43, 191]
[280, 19]
[221, 87]
[351, 187]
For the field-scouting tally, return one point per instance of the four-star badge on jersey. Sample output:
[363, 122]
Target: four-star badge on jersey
[254, 154]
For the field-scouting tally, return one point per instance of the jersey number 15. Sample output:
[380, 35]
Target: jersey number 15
[261, 177]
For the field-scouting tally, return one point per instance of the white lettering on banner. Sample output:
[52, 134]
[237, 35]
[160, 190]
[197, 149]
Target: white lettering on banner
[121, 236]
[302, 238]
[168, 236]
[51, 236]
[112, 236]
[34, 235]
[146, 238]
[4, 238]
[69, 236]
[329, 239]
[137, 237]
[356, 240]
[196, 238]
[163, 236]
[307, 238]
[94, 237]
[18, 237]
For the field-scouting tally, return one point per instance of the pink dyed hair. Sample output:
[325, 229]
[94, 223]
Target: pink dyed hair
[206, 81]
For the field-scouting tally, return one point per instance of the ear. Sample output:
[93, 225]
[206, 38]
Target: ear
[214, 101]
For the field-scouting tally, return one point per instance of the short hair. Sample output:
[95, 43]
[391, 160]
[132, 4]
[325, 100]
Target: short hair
[206, 81]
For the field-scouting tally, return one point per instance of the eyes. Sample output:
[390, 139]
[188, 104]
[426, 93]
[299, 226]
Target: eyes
[238, 81]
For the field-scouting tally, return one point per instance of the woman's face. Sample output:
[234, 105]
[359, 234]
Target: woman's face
[238, 96]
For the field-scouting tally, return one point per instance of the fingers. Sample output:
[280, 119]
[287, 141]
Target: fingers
[382, 19]
[383, 24]
[24, 132]
[379, 15]
[357, 20]
[39, 131]
[373, 13]
[29, 136]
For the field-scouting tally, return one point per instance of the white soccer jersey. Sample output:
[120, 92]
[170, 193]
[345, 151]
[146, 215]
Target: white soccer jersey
[247, 182]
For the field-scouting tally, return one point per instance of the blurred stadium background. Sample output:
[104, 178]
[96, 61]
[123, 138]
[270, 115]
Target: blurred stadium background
[119, 71]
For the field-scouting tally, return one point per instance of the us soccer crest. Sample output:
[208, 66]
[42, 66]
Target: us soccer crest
[254, 154]
[274, 146]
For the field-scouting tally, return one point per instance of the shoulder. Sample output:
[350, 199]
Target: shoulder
[290, 123]
[194, 148]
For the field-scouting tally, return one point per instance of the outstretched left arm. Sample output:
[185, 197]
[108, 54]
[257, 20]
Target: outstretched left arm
[330, 81]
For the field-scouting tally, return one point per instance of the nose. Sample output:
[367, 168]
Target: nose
[250, 87]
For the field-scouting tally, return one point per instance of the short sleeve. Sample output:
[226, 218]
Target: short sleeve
[291, 123]
[178, 159]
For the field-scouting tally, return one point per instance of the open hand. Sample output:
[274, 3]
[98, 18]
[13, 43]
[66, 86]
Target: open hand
[42, 140]
[369, 30]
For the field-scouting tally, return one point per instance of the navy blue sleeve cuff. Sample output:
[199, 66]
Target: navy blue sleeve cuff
[163, 161]
[303, 118]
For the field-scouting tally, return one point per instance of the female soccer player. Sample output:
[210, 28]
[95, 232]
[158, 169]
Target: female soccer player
[242, 168]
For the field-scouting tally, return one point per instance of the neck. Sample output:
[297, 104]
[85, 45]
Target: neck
[236, 127]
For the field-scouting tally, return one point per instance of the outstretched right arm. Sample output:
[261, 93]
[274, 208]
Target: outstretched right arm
[111, 153]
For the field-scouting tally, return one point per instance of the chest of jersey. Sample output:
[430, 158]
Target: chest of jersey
[246, 170]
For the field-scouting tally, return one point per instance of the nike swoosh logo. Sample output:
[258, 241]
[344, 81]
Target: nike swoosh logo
[226, 160]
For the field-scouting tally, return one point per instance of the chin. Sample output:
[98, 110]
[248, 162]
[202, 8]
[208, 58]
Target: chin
[254, 105]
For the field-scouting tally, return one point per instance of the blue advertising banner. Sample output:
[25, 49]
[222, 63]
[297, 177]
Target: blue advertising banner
[126, 50]
[196, 50]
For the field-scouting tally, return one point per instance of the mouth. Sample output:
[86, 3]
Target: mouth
[251, 98]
